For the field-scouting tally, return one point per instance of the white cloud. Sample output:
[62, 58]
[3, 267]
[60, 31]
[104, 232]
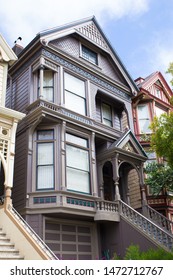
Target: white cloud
[160, 52]
[27, 18]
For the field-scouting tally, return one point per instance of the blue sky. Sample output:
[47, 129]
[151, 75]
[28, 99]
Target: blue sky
[140, 31]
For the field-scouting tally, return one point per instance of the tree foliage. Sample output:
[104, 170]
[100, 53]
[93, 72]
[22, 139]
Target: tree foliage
[170, 71]
[162, 137]
[159, 178]
[133, 252]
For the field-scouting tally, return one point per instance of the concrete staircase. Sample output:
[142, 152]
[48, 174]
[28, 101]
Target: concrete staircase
[7, 249]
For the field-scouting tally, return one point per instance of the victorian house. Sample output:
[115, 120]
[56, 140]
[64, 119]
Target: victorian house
[76, 152]
[153, 99]
[17, 240]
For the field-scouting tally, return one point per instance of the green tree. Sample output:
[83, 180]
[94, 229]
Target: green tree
[159, 178]
[162, 137]
[170, 71]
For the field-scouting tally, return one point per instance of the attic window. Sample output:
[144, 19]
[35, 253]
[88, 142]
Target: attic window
[89, 55]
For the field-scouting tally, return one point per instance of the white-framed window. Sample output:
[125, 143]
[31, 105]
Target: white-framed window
[47, 91]
[77, 164]
[75, 96]
[158, 93]
[89, 55]
[45, 160]
[107, 114]
[144, 118]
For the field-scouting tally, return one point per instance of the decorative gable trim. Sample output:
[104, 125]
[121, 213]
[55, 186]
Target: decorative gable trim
[89, 29]
[85, 74]
[6, 53]
[91, 32]
[128, 142]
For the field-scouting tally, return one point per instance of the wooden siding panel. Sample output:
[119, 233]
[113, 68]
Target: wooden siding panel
[1, 82]
[8, 95]
[107, 67]
[68, 44]
[109, 70]
[117, 122]
[134, 189]
[20, 166]
[98, 111]
[20, 92]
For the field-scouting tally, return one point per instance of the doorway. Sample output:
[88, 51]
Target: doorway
[109, 189]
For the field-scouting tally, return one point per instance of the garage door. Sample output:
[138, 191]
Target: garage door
[70, 241]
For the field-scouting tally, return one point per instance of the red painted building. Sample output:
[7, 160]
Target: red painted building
[152, 100]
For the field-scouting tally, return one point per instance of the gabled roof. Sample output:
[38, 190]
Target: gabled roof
[129, 143]
[89, 29]
[6, 53]
[154, 78]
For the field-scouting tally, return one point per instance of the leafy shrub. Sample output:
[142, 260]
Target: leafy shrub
[133, 252]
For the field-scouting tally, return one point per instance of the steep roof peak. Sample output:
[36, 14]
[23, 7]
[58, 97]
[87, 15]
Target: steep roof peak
[66, 25]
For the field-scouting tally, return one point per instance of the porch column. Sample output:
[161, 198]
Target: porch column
[100, 180]
[142, 185]
[116, 176]
[41, 81]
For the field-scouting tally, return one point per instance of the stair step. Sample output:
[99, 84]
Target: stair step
[7, 249]
[11, 258]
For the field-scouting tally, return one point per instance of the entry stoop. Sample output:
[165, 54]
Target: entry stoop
[7, 249]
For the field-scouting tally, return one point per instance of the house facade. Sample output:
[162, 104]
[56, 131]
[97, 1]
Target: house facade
[8, 125]
[153, 99]
[76, 152]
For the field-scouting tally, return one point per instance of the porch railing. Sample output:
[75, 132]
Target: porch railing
[158, 218]
[107, 206]
[160, 236]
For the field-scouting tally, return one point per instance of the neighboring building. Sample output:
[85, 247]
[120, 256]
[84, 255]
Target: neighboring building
[8, 124]
[75, 150]
[17, 240]
[152, 100]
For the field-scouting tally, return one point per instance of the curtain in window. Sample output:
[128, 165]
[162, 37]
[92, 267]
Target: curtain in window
[144, 119]
[48, 85]
[77, 169]
[45, 166]
[107, 114]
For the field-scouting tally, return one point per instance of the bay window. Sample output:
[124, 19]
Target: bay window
[144, 118]
[77, 164]
[46, 84]
[75, 98]
[45, 159]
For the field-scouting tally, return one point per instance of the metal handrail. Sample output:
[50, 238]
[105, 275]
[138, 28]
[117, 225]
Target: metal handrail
[162, 237]
[32, 233]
